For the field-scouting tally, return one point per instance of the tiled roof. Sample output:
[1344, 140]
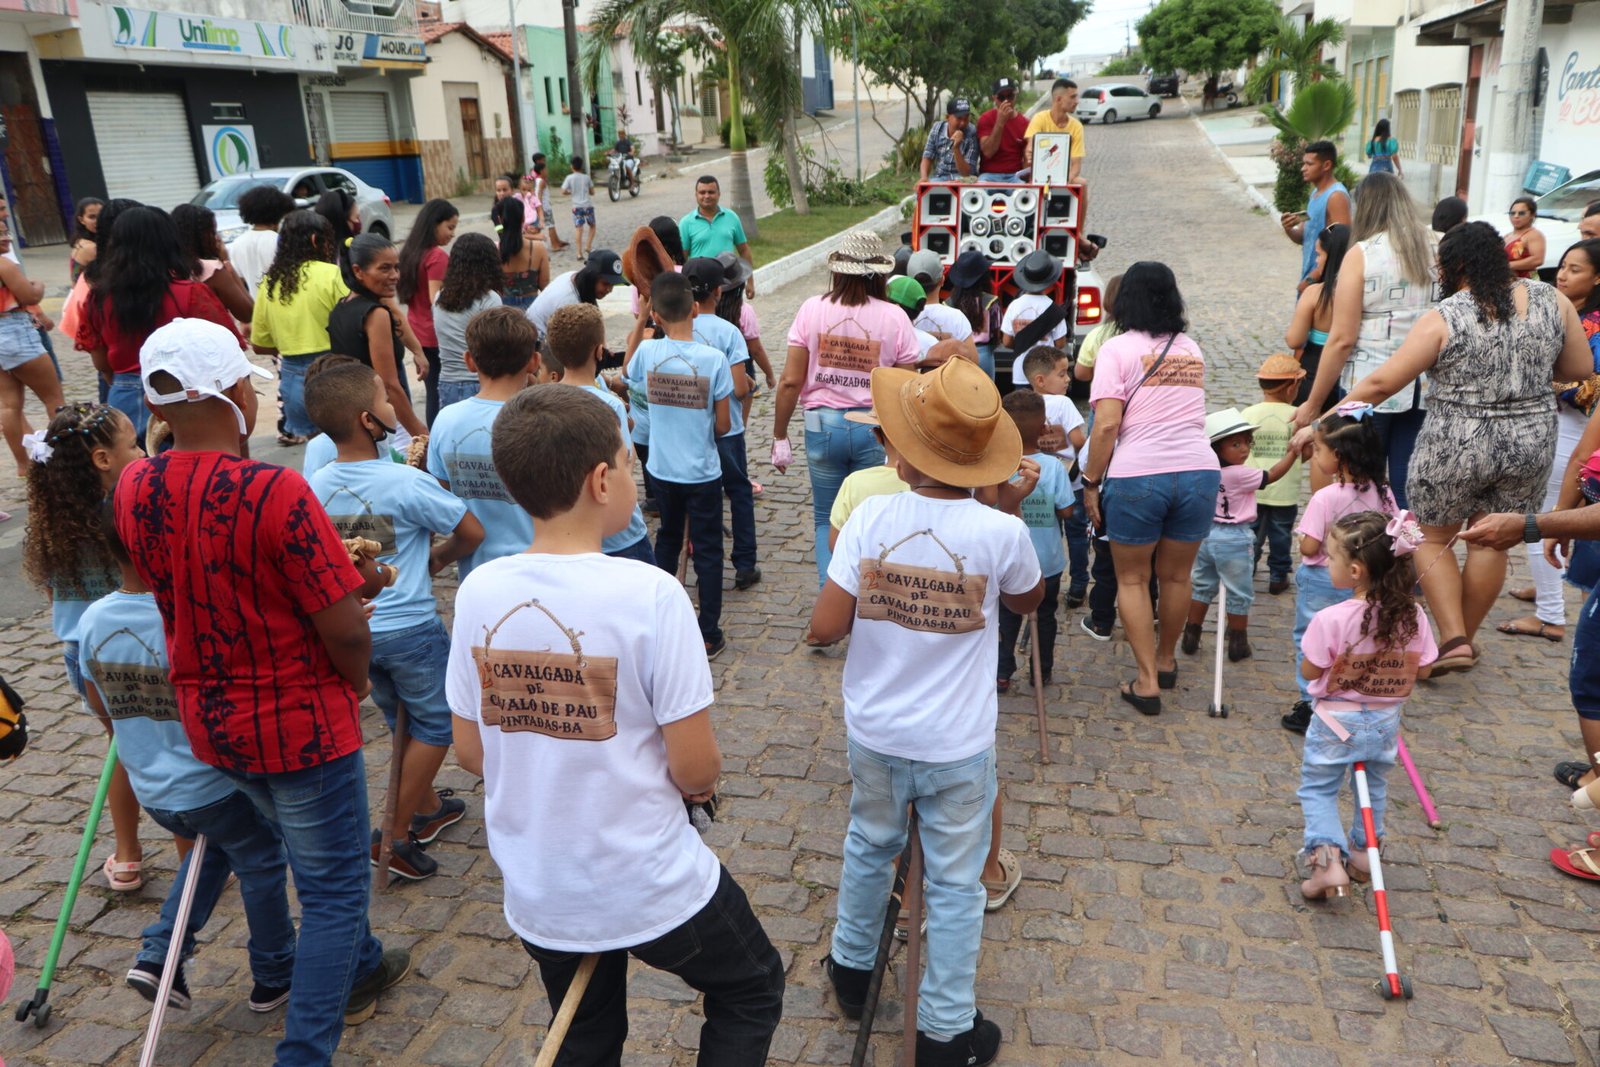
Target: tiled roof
[497, 42]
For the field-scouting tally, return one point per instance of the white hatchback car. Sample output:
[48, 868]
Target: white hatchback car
[305, 184]
[1110, 103]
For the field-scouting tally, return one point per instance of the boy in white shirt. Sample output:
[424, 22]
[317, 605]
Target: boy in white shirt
[579, 186]
[917, 580]
[1049, 372]
[577, 675]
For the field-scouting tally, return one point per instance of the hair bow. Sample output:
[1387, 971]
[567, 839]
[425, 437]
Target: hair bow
[37, 447]
[1354, 409]
[1405, 533]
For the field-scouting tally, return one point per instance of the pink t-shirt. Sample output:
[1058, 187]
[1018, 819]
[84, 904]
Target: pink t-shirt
[420, 311]
[1163, 430]
[1236, 495]
[1356, 668]
[843, 344]
[1333, 502]
[747, 322]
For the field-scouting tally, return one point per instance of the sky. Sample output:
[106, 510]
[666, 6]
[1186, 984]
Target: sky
[1102, 32]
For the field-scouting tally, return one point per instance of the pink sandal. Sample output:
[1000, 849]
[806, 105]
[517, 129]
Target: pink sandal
[113, 868]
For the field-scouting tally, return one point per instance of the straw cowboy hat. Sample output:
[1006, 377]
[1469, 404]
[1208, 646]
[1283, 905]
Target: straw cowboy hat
[948, 423]
[644, 258]
[860, 252]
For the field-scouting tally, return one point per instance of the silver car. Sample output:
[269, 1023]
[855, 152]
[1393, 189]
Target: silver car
[305, 184]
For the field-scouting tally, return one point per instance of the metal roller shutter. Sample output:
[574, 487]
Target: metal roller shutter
[146, 152]
[360, 117]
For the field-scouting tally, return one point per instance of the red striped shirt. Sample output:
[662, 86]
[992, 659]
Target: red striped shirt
[240, 555]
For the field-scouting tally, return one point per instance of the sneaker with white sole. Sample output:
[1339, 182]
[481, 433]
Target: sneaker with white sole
[266, 997]
[145, 978]
[451, 811]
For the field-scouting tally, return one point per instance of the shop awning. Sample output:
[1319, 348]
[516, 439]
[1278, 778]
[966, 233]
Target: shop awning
[1476, 21]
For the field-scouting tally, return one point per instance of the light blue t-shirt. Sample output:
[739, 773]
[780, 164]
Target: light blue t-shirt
[635, 530]
[321, 451]
[125, 658]
[65, 611]
[683, 431]
[401, 508]
[1053, 492]
[719, 333]
[460, 455]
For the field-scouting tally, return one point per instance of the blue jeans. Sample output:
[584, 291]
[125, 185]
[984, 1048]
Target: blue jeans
[1399, 435]
[1275, 530]
[292, 392]
[953, 801]
[1374, 739]
[1144, 509]
[430, 383]
[1224, 559]
[698, 504]
[1009, 176]
[1313, 591]
[1583, 674]
[986, 358]
[1076, 529]
[452, 392]
[71, 657]
[835, 449]
[238, 838]
[639, 550]
[322, 814]
[741, 500]
[127, 396]
[408, 667]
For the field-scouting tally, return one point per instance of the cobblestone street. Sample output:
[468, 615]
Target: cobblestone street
[1159, 916]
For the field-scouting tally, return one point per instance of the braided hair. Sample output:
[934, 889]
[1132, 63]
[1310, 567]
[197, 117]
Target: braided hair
[1390, 619]
[65, 544]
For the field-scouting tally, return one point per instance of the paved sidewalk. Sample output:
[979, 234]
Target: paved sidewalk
[1158, 919]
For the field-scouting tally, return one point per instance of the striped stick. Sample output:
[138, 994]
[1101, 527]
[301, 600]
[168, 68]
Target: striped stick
[1380, 895]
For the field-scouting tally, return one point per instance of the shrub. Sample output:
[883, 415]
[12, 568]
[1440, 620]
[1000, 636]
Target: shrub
[753, 133]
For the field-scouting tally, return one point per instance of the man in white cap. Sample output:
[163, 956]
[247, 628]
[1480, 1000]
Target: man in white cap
[268, 647]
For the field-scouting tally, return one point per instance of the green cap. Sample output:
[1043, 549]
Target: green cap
[906, 292]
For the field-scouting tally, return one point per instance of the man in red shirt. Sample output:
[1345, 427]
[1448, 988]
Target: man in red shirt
[1000, 135]
[269, 650]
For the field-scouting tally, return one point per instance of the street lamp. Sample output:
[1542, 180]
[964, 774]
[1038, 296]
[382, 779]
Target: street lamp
[530, 136]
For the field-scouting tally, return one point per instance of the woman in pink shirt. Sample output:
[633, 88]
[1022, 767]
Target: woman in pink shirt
[422, 265]
[834, 343]
[1151, 478]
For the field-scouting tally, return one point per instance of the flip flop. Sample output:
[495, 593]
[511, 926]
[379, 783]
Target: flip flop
[1579, 863]
[1569, 771]
[1011, 877]
[1167, 679]
[1510, 627]
[1527, 594]
[1146, 705]
[1448, 664]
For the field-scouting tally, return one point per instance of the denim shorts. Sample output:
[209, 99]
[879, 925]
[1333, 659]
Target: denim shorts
[19, 340]
[1147, 508]
[409, 666]
[582, 216]
[292, 392]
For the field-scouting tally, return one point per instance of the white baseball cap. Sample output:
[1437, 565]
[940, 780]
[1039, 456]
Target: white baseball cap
[205, 358]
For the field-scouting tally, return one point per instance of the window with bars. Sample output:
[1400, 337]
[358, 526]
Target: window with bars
[1408, 121]
[1444, 125]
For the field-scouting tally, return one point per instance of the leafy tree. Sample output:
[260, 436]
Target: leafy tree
[1296, 52]
[1124, 66]
[1213, 36]
[927, 49]
[1039, 28]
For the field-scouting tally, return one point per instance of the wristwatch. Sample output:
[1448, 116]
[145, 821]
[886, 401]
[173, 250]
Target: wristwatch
[1530, 529]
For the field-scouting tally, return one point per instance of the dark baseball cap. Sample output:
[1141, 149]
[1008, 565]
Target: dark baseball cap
[606, 264]
[705, 276]
[1004, 85]
[958, 106]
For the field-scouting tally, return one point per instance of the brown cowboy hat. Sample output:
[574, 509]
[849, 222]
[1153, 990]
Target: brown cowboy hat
[644, 258]
[948, 423]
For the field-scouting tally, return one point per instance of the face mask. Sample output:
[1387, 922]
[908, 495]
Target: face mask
[355, 227]
[387, 429]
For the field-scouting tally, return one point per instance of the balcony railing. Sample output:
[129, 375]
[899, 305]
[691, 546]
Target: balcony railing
[368, 16]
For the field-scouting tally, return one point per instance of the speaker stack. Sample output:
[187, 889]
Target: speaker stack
[1004, 222]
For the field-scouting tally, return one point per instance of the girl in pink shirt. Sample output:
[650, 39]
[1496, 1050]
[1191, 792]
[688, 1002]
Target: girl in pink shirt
[1347, 449]
[1362, 656]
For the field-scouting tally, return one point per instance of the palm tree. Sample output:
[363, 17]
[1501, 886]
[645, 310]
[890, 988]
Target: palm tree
[1319, 111]
[1296, 52]
[756, 37]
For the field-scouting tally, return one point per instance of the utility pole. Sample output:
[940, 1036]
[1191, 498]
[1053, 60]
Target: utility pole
[575, 100]
[530, 136]
[1511, 114]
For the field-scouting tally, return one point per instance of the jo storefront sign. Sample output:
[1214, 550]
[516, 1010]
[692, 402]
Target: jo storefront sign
[354, 49]
[176, 31]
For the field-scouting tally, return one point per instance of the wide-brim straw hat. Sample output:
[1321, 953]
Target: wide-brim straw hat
[860, 252]
[948, 424]
[645, 258]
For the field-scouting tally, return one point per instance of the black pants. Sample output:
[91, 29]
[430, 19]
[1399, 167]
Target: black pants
[431, 383]
[643, 452]
[1044, 642]
[723, 952]
[1103, 593]
[741, 501]
[700, 505]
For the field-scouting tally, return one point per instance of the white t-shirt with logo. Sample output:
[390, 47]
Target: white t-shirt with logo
[586, 825]
[942, 318]
[1023, 310]
[919, 676]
